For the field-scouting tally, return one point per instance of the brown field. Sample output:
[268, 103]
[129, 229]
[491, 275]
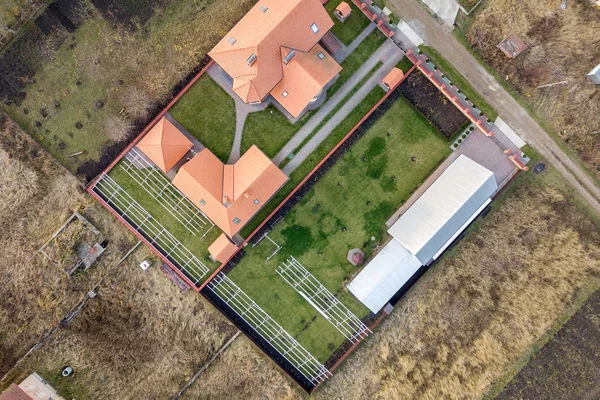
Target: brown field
[37, 196]
[563, 46]
[471, 321]
[141, 338]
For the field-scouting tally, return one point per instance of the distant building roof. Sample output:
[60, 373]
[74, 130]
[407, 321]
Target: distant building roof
[305, 76]
[512, 46]
[344, 9]
[252, 52]
[14, 393]
[443, 209]
[230, 195]
[222, 248]
[165, 144]
[393, 78]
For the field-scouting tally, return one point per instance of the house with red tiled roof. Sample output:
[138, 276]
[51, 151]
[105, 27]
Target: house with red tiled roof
[229, 194]
[165, 144]
[274, 51]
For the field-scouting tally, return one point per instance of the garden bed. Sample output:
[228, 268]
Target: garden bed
[426, 98]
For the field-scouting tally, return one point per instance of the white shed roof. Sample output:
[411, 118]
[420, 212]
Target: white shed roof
[387, 272]
[443, 209]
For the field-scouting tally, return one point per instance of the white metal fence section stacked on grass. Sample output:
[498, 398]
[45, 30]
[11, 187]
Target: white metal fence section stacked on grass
[323, 300]
[157, 185]
[159, 237]
[270, 330]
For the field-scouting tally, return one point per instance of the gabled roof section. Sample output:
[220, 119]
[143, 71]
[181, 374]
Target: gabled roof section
[165, 144]
[304, 77]
[230, 195]
[222, 248]
[250, 52]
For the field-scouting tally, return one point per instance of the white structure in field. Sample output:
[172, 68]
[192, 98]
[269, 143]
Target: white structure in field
[425, 230]
[594, 75]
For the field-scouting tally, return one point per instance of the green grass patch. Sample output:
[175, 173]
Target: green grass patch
[357, 58]
[208, 112]
[195, 244]
[405, 64]
[347, 31]
[457, 79]
[345, 209]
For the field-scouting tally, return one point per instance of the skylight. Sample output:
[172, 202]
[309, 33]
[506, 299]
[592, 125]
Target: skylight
[232, 40]
[285, 93]
[321, 56]
[252, 59]
[289, 57]
[264, 8]
[314, 28]
[237, 221]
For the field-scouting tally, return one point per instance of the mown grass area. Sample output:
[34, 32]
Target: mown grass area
[194, 243]
[208, 112]
[315, 157]
[405, 64]
[104, 78]
[358, 58]
[345, 209]
[353, 25]
[457, 79]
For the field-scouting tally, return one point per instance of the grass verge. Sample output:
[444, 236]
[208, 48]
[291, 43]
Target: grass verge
[347, 31]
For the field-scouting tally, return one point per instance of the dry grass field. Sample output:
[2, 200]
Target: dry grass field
[563, 46]
[140, 338]
[36, 197]
[91, 91]
[472, 321]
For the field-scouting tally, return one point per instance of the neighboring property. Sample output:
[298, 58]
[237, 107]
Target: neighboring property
[512, 46]
[230, 195]
[425, 230]
[274, 50]
[34, 387]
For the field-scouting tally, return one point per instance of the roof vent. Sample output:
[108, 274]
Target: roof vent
[202, 202]
[264, 8]
[252, 59]
[285, 93]
[232, 40]
[289, 57]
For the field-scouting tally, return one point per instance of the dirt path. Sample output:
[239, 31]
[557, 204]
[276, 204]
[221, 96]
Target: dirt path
[439, 37]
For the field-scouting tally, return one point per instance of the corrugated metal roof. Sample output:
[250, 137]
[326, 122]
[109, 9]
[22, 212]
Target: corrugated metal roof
[444, 207]
[389, 270]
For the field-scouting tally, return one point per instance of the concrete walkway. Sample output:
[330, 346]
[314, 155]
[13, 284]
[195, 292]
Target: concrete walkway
[390, 54]
[241, 109]
[439, 37]
[388, 51]
[347, 50]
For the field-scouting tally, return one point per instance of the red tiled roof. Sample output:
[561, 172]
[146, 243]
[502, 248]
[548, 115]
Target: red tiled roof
[344, 9]
[267, 28]
[165, 145]
[14, 393]
[230, 195]
[222, 248]
[393, 78]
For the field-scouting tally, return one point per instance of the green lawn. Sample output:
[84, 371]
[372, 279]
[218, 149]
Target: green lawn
[208, 112]
[357, 58]
[345, 209]
[405, 64]
[351, 27]
[196, 245]
[457, 79]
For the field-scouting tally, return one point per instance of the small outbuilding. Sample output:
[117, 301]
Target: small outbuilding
[356, 256]
[512, 46]
[222, 249]
[392, 79]
[342, 11]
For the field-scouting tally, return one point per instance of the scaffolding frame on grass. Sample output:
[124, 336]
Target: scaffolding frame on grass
[144, 223]
[157, 185]
[266, 327]
[323, 300]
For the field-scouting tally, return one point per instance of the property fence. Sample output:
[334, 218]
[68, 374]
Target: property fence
[155, 234]
[268, 329]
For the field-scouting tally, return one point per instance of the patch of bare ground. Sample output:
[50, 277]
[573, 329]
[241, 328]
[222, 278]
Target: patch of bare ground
[243, 372]
[36, 198]
[140, 338]
[563, 46]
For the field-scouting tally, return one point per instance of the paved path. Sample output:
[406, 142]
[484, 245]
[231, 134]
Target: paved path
[390, 54]
[347, 50]
[388, 47]
[439, 37]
